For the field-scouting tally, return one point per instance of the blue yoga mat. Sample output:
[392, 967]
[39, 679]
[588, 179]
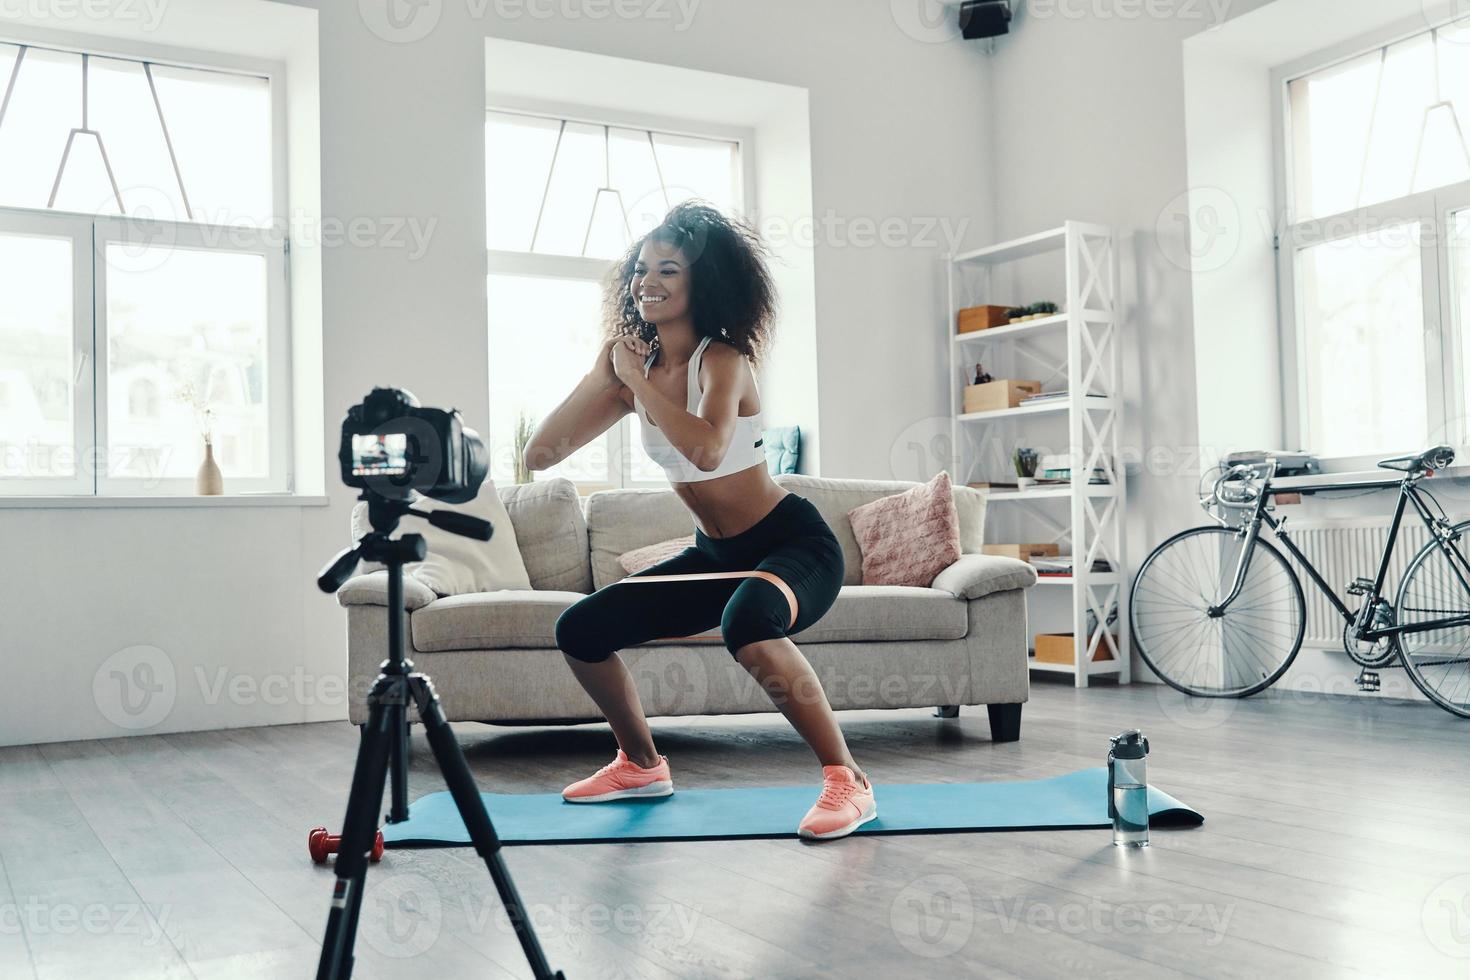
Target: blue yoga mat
[1076, 801]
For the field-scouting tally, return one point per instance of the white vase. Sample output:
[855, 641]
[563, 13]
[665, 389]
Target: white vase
[209, 482]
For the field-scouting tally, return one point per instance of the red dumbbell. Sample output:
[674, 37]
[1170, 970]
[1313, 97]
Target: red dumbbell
[320, 844]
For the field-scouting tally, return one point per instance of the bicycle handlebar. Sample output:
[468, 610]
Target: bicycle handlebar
[1246, 496]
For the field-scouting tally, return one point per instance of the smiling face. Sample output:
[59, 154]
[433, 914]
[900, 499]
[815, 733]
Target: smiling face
[660, 283]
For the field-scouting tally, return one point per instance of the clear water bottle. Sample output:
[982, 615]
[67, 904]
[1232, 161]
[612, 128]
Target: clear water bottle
[1128, 788]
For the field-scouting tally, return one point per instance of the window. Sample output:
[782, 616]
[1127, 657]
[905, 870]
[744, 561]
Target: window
[1378, 169]
[142, 276]
[564, 198]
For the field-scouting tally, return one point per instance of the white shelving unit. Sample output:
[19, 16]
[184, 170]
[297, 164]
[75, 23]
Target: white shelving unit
[1086, 520]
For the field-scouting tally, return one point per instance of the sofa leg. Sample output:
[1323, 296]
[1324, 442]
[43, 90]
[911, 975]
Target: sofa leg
[947, 711]
[1005, 722]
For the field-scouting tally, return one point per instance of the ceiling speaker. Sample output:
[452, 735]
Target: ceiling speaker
[985, 18]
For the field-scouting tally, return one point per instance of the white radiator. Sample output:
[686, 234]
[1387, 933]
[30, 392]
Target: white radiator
[1342, 551]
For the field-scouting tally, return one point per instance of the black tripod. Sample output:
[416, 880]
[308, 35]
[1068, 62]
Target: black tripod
[383, 737]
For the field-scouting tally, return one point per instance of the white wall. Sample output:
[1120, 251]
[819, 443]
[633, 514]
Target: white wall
[1089, 119]
[898, 132]
[1102, 99]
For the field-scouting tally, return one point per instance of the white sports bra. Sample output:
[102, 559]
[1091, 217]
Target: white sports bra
[745, 446]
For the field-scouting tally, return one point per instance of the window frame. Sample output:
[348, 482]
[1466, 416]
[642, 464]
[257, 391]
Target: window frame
[1444, 383]
[89, 284]
[584, 269]
[278, 354]
[77, 230]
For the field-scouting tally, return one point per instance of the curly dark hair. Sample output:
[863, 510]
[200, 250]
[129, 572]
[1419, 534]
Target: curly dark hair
[731, 298]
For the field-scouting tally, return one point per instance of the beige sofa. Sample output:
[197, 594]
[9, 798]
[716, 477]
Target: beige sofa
[493, 655]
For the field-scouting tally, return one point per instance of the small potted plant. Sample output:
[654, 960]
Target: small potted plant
[1025, 461]
[208, 482]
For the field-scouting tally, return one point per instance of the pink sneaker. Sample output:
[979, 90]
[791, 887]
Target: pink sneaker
[621, 779]
[844, 806]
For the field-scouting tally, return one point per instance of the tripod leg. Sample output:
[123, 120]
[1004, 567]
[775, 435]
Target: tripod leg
[359, 828]
[398, 768]
[461, 783]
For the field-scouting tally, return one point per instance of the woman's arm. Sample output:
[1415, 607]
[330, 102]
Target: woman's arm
[702, 438]
[594, 405]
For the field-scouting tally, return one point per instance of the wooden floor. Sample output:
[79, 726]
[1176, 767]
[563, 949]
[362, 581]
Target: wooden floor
[1337, 843]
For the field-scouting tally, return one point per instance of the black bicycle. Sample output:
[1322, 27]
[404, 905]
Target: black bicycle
[1219, 612]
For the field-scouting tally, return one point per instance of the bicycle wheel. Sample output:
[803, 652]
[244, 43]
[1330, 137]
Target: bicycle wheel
[1438, 661]
[1235, 654]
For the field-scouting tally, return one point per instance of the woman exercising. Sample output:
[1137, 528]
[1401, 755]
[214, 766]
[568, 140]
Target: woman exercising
[688, 309]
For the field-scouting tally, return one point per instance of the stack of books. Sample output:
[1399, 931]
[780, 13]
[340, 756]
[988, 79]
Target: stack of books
[1045, 397]
[1062, 567]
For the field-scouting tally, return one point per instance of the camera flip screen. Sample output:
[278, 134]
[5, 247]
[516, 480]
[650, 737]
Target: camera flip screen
[380, 455]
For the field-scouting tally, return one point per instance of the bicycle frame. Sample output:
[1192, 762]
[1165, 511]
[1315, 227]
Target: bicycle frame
[1441, 532]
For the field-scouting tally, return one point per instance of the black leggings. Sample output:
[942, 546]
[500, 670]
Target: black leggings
[792, 542]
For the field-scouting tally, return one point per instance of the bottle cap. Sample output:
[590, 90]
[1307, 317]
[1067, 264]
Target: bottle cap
[1129, 745]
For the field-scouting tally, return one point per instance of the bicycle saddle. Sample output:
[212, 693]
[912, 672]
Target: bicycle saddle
[1434, 459]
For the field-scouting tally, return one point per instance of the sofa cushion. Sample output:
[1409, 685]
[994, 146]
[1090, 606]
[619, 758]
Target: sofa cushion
[551, 532]
[491, 621]
[977, 576]
[371, 589]
[640, 558]
[457, 565]
[619, 521]
[833, 499]
[889, 612]
[910, 537]
[970, 505]
[505, 620]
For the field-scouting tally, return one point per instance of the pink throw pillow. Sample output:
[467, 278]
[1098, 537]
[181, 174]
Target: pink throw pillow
[910, 537]
[640, 558]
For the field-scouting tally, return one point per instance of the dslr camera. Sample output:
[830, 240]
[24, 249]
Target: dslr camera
[394, 448]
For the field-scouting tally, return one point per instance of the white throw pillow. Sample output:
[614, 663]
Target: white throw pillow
[457, 565]
[969, 504]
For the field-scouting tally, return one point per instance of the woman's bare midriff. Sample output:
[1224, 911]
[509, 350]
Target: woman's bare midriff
[727, 505]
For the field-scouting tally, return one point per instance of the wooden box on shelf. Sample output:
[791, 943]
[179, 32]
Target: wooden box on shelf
[1025, 552]
[994, 396]
[982, 318]
[1057, 648]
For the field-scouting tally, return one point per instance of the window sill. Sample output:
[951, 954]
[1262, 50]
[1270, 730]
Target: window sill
[106, 503]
